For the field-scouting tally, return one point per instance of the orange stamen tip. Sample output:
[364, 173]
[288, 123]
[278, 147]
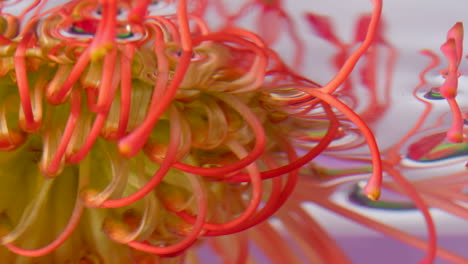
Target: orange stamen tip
[184, 229]
[448, 92]
[30, 127]
[125, 149]
[12, 140]
[173, 198]
[372, 192]
[116, 230]
[455, 136]
[90, 198]
[449, 87]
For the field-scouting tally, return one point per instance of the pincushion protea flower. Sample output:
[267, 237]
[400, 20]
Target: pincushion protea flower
[129, 135]
[132, 132]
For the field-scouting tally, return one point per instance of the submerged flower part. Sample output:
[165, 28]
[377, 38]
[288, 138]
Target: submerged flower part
[423, 158]
[453, 51]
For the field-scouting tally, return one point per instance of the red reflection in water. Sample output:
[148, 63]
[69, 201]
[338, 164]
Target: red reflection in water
[427, 146]
[376, 106]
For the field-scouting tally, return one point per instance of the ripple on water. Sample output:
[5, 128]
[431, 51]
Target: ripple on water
[388, 200]
[435, 148]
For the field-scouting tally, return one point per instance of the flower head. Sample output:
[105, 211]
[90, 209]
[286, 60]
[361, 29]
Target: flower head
[162, 130]
[130, 130]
